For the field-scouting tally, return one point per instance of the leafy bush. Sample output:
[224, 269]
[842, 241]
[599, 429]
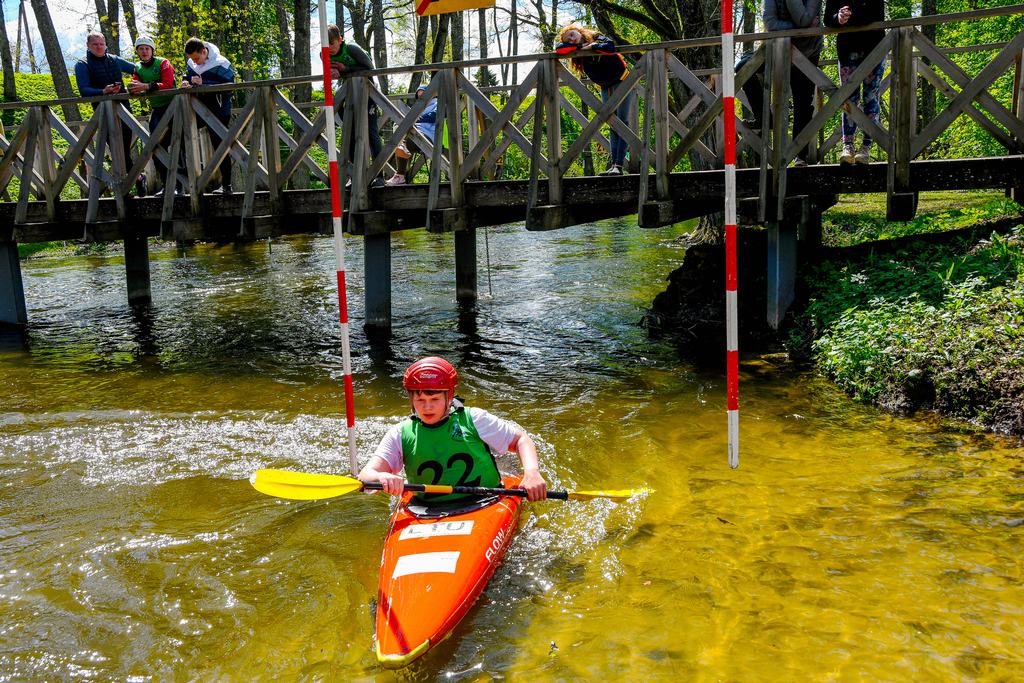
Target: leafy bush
[938, 326]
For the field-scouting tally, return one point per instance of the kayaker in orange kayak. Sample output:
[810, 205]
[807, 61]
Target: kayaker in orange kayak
[444, 442]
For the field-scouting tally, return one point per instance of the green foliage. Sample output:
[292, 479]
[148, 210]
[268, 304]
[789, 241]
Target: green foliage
[30, 87]
[245, 31]
[852, 222]
[930, 325]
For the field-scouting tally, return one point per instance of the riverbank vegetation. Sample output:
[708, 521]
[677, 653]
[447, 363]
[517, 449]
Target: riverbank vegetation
[923, 315]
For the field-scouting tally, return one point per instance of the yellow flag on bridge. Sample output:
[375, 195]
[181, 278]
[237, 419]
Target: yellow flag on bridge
[426, 7]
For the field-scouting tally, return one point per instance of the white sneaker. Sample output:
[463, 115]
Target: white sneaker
[847, 157]
[863, 156]
[611, 170]
[397, 179]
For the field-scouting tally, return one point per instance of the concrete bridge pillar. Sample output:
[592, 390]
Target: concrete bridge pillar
[136, 266]
[465, 265]
[792, 240]
[377, 280]
[781, 269]
[13, 314]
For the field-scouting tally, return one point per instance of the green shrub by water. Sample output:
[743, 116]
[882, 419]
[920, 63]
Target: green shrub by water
[925, 326]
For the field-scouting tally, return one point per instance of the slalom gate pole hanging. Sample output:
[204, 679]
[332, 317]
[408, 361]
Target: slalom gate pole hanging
[339, 238]
[731, 313]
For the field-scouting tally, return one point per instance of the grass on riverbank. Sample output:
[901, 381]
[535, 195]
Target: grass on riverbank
[934, 319]
[64, 248]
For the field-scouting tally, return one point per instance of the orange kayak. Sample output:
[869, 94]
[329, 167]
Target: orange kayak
[434, 567]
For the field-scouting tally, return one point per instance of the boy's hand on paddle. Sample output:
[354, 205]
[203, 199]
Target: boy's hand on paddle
[535, 486]
[391, 483]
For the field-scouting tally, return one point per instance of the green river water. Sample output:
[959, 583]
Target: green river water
[849, 545]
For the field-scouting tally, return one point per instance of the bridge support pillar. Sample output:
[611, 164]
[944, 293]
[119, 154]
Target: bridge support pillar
[1016, 194]
[781, 270]
[901, 206]
[801, 221]
[377, 280]
[13, 314]
[136, 266]
[465, 265]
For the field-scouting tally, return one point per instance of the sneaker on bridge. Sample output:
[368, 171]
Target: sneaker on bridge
[847, 157]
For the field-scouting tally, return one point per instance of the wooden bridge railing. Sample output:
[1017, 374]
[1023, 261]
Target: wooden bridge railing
[544, 120]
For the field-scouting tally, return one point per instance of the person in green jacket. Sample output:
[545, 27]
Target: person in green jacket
[347, 59]
[445, 443]
[153, 74]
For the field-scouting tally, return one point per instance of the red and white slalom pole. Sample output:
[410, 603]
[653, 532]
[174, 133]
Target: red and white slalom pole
[339, 238]
[731, 325]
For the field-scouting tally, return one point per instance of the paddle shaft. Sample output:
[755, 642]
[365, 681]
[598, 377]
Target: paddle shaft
[478, 490]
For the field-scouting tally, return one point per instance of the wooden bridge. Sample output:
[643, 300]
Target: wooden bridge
[520, 157]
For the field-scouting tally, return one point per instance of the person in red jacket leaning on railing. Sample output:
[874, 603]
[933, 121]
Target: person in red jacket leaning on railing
[607, 71]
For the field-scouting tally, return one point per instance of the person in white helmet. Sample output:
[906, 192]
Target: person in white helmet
[153, 74]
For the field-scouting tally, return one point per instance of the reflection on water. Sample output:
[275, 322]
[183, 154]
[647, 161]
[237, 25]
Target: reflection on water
[849, 545]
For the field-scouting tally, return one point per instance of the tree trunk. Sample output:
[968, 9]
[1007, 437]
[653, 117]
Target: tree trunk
[359, 19]
[380, 47]
[129, 18]
[420, 57]
[55, 56]
[481, 23]
[548, 29]
[484, 76]
[169, 29]
[301, 64]
[23, 26]
[218, 35]
[926, 111]
[284, 42]
[749, 22]
[10, 91]
[440, 38]
[246, 67]
[513, 49]
[458, 37]
[110, 25]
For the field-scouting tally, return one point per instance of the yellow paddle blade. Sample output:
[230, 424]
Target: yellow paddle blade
[621, 494]
[303, 485]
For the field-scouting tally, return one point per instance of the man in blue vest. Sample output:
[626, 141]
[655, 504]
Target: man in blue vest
[102, 74]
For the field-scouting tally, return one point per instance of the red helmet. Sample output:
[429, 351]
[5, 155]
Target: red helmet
[430, 374]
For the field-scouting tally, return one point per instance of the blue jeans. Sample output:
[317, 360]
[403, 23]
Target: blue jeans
[623, 111]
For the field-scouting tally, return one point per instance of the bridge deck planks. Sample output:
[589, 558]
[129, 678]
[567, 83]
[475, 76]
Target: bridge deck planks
[495, 202]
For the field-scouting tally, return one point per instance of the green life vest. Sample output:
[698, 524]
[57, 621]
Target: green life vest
[343, 57]
[151, 74]
[450, 453]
